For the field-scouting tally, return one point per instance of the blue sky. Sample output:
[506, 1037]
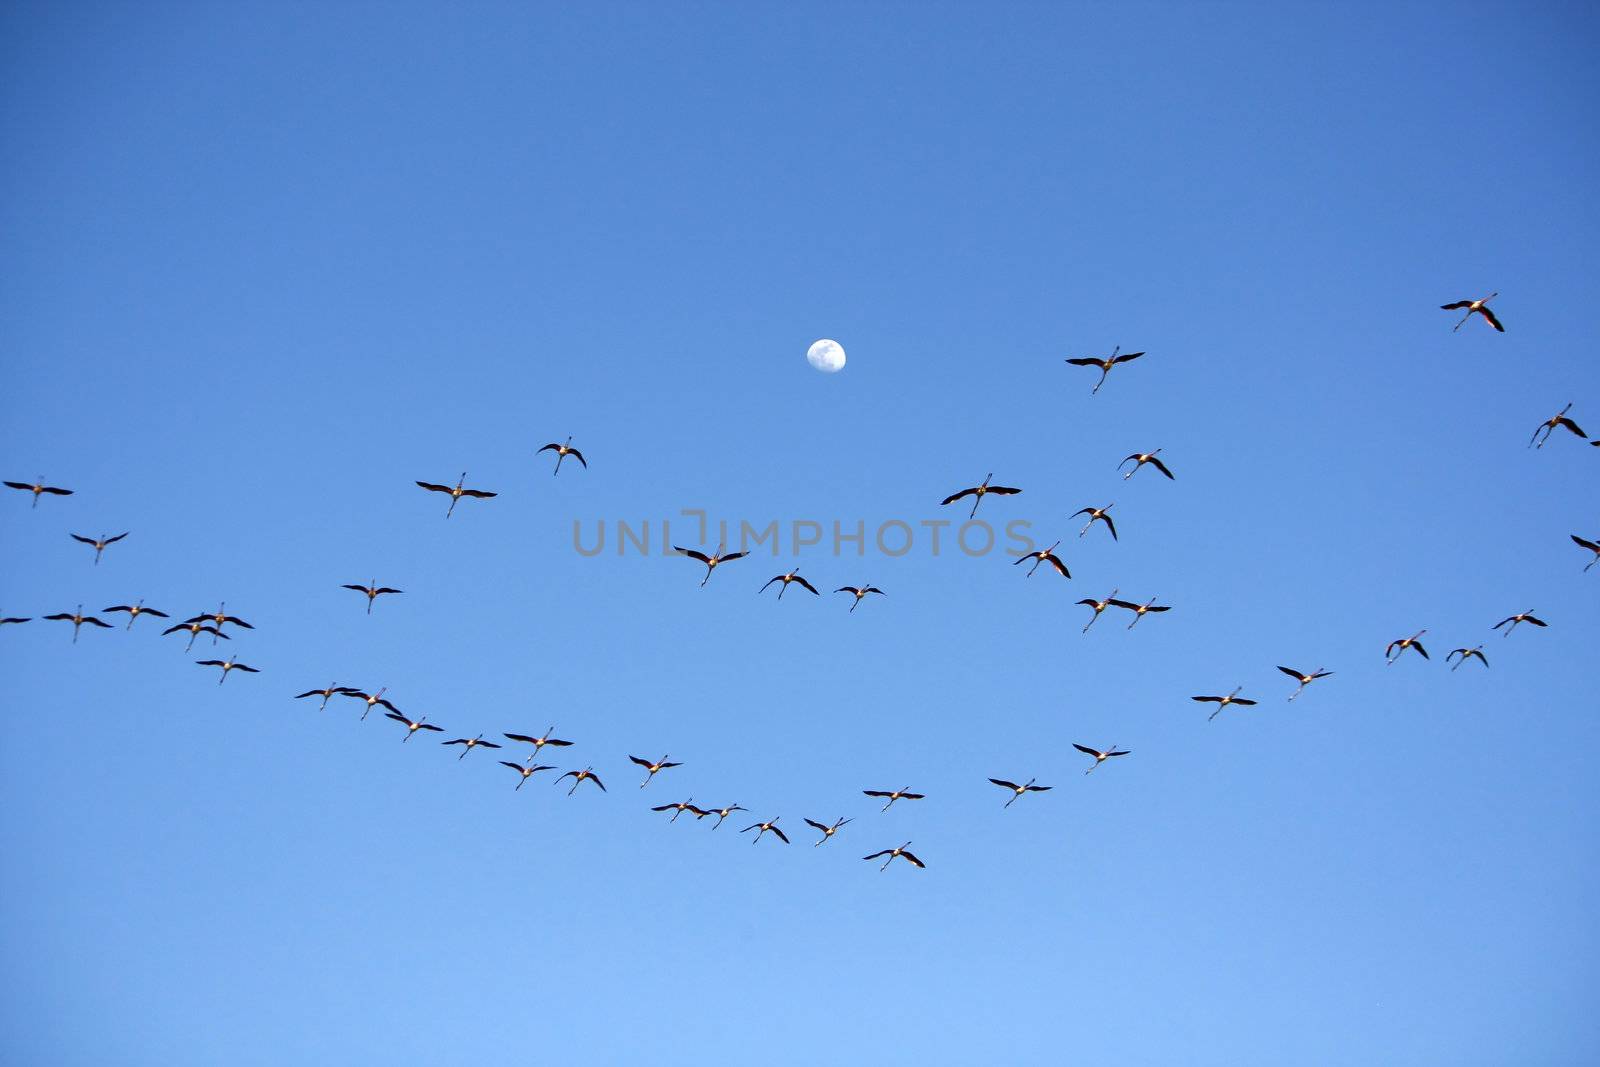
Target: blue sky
[265, 267]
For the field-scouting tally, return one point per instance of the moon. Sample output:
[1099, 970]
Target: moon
[827, 356]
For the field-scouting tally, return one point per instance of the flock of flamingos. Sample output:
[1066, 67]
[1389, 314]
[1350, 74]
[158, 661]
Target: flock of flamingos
[214, 624]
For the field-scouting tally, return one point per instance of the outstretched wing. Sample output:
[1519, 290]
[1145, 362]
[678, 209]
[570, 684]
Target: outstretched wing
[1003, 490]
[120, 536]
[818, 825]
[781, 835]
[579, 457]
[1004, 783]
[1155, 462]
[953, 497]
[1457, 306]
[641, 762]
[692, 554]
[806, 585]
[1061, 568]
[1109, 524]
[432, 488]
[1085, 749]
[552, 447]
[1126, 356]
[1084, 361]
[1291, 672]
[481, 494]
[1486, 313]
[82, 539]
[914, 861]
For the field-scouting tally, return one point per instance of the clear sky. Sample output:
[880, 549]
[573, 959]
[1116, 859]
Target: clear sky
[266, 265]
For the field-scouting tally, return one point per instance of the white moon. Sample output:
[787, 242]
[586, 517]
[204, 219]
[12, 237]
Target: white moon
[827, 356]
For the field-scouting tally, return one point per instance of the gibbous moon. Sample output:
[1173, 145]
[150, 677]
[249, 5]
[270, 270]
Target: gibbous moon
[827, 356]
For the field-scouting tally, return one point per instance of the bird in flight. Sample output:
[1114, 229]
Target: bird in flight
[1466, 654]
[332, 691]
[470, 743]
[372, 699]
[538, 742]
[411, 727]
[99, 545]
[1398, 648]
[526, 772]
[1105, 365]
[226, 665]
[977, 493]
[1140, 610]
[1222, 702]
[1480, 307]
[1141, 458]
[827, 831]
[898, 794]
[763, 827]
[456, 493]
[680, 807]
[77, 619]
[710, 561]
[1096, 515]
[579, 777]
[39, 487]
[1526, 616]
[1046, 555]
[1100, 757]
[723, 813]
[219, 619]
[900, 853]
[1548, 427]
[1592, 546]
[1098, 606]
[135, 610]
[195, 627]
[652, 769]
[858, 592]
[1303, 679]
[792, 576]
[373, 592]
[1017, 790]
[562, 452]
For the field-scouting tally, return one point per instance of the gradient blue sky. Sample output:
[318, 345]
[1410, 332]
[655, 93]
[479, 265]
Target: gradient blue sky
[265, 265]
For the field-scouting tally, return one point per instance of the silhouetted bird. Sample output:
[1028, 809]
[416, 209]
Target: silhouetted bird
[1099, 757]
[135, 610]
[710, 561]
[372, 592]
[1548, 427]
[1222, 702]
[1466, 654]
[1398, 648]
[1018, 790]
[792, 576]
[77, 619]
[1303, 679]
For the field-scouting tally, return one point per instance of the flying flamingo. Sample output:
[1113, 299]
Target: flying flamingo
[1479, 306]
[710, 561]
[195, 628]
[411, 727]
[135, 610]
[763, 827]
[457, 493]
[1096, 515]
[77, 619]
[898, 794]
[562, 452]
[1526, 616]
[226, 665]
[858, 592]
[579, 777]
[1548, 427]
[1398, 648]
[39, 487]
[652, 769]
[1099, 757]
[331, 691]
[1046, 555]
[1098, 606]
[1140, 610]
[792, 576]
[1592, 546]
[1142, 458]
[827, 831]
[978, 492]
[1222, 702]
[526, 772]
[1466, 654]
[1303, 679]
[1105, 365]
[1017, 790]
[373, 592]
[99, 544]
[901, 853]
